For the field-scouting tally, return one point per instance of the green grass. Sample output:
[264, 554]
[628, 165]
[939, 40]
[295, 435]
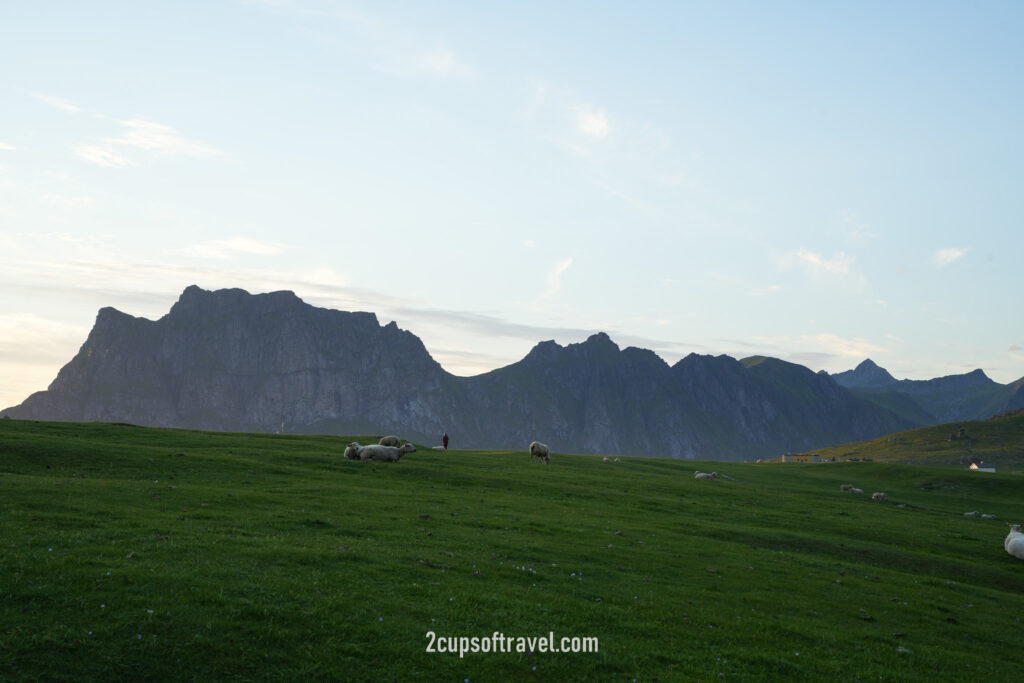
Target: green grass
[132, 553]
[998, 440]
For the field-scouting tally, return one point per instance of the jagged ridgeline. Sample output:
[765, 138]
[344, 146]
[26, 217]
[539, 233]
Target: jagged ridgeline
[230, 360]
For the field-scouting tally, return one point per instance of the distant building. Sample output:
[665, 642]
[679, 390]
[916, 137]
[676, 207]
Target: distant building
[801, 457]
[982, 467]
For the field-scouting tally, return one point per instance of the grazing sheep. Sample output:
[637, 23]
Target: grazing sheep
[385, 453]
[984, 516]
[878, 497]
[854, 489]
[617, 460]
[973, 513]
[705, 475]
[352, 451]
[539, 450]
[605, 459]
[1014, 542]
[389, 441]
[845, 487]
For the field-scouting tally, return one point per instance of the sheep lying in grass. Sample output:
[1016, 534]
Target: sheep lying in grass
[705, 475]
[854, 489]
[385, 453]
[845, 487]
[352, 451]
[878, 497]
[389, 441]
[972, 513]
[1014, 542]
[539, 450]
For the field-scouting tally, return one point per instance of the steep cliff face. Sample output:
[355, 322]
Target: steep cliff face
[234, 361]
[229, 360]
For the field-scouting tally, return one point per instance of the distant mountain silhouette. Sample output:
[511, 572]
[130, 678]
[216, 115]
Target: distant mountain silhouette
[971, 396]
[230, 360]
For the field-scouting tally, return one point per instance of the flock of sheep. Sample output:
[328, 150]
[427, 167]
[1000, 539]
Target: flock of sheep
[388, 450]
[1014, 543]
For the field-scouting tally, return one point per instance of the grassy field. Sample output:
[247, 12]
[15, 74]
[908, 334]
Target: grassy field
[149, 554]
[998, 440]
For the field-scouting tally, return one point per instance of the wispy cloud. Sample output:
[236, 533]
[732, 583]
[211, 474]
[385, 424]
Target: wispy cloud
[224, 249]
[103, 156]
[148, 136]
[554, 279]
[818, 265]
[57, 102]
[837, 269]
[943, 257]
[592, 122]
[160, 139]
[6, 147]
[529, 244]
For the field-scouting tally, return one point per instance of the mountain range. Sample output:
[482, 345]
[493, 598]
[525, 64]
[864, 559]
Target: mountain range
[230, 360]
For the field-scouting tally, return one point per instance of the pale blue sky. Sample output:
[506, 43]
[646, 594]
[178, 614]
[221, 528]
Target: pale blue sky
[820, 182]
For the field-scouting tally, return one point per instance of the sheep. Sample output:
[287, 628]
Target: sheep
[973, 513]
[605, 459]
[705, 475]
[389, 441]
[352, 451]
[878, 497]
[984, 516]
[1014, 542]
[539, 450]
[385, 453]
[845, 487]
[853, 489]
[617, 460]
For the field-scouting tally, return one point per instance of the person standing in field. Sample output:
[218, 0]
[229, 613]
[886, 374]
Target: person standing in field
[444, 440]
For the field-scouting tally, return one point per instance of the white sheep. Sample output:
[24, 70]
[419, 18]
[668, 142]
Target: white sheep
[617, 460]
[705, 475]
[972, 513]
[854, 489]
[985, 516]
[385, 453]
[1014, 542]
[539, 450]
[878, 497]
[352, 450]
[845, 487]
[389, 441]
[605, 459]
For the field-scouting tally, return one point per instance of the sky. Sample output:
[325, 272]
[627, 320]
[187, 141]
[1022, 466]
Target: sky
[818, 182]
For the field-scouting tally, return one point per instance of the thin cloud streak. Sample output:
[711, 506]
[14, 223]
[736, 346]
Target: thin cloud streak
[102, 156]
[57, 103]
[943, 257]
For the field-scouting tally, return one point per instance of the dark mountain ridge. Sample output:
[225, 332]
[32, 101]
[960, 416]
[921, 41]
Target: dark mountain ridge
[230, 360]
[970, 396]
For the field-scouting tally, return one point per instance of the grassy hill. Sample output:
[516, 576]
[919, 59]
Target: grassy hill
[132, 553]
[998, 440]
